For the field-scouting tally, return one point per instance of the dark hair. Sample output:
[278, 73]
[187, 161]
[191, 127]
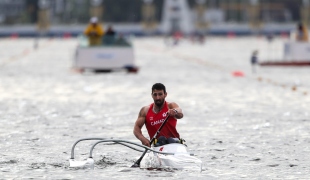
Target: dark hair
[158, 86]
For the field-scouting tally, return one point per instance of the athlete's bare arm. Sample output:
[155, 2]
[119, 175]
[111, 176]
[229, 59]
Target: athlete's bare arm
[175, 110]
[139, 124]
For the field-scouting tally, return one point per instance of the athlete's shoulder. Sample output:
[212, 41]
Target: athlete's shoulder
[144, 110]
[172, 104]
[147, 107]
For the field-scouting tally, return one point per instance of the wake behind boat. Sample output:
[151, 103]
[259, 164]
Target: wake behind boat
[174, 156]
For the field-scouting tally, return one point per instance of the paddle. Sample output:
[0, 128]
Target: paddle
[137, 163]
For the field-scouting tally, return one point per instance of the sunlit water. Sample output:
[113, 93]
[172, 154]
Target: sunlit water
[250, 127]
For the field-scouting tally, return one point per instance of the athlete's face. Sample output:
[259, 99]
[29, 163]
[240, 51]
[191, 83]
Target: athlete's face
[159, 97]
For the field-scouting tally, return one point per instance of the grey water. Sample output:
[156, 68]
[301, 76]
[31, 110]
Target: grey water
[254, 126]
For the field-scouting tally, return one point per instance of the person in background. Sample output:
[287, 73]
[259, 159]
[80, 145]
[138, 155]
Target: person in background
[254, 60]
[153, 115]
[109, 36]
[121, 40]
[94, 32]
[110, 31]
[302, 33]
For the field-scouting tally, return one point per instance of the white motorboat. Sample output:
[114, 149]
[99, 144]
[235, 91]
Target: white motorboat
[106, 57]
[295, 53]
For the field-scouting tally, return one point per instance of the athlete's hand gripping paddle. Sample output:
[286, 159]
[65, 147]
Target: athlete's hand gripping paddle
[137, 163]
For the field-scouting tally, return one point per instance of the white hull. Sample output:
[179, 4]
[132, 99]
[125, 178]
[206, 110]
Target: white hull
[105, 57]
[180, 160]
[297, 51]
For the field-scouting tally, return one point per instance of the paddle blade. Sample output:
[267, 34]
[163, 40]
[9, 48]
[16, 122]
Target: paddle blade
[135, 165]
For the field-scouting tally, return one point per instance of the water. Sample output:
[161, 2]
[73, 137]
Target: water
[251, 127]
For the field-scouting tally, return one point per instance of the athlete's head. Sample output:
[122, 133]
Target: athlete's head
[159, 94]
[158, 86]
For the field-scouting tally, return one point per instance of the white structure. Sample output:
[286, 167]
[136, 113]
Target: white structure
[176, 17]
[296, 51]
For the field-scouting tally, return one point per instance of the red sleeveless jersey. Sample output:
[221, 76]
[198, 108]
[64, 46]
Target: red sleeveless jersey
[154, 120]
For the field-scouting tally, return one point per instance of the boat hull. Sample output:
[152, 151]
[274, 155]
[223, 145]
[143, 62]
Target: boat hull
[295, 54]
[180, 160]
[285, 63]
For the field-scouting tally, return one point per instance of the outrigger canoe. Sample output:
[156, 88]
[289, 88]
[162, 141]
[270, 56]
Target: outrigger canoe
[172, 156]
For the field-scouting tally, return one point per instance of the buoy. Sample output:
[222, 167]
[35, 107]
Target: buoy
[238, 74]
[284, 35]
[67, 35]
[231, 35]
[14, 36]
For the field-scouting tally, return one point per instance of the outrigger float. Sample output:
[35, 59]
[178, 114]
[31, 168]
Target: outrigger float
[174, 156]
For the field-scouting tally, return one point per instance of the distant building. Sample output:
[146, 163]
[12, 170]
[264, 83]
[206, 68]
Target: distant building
[11, 11]
[124, 11]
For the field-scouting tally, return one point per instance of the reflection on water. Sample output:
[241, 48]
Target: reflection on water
[256, 126]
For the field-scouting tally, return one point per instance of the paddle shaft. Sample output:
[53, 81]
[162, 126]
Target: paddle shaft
[137, 163]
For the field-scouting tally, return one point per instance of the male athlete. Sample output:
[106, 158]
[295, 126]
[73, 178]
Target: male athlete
[153, 115]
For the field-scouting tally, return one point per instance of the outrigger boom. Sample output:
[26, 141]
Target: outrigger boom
[84, 164]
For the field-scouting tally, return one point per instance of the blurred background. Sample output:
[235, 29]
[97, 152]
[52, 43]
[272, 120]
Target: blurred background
[153, 17]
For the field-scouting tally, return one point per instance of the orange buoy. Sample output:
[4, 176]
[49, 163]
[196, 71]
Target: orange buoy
[238, 74]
